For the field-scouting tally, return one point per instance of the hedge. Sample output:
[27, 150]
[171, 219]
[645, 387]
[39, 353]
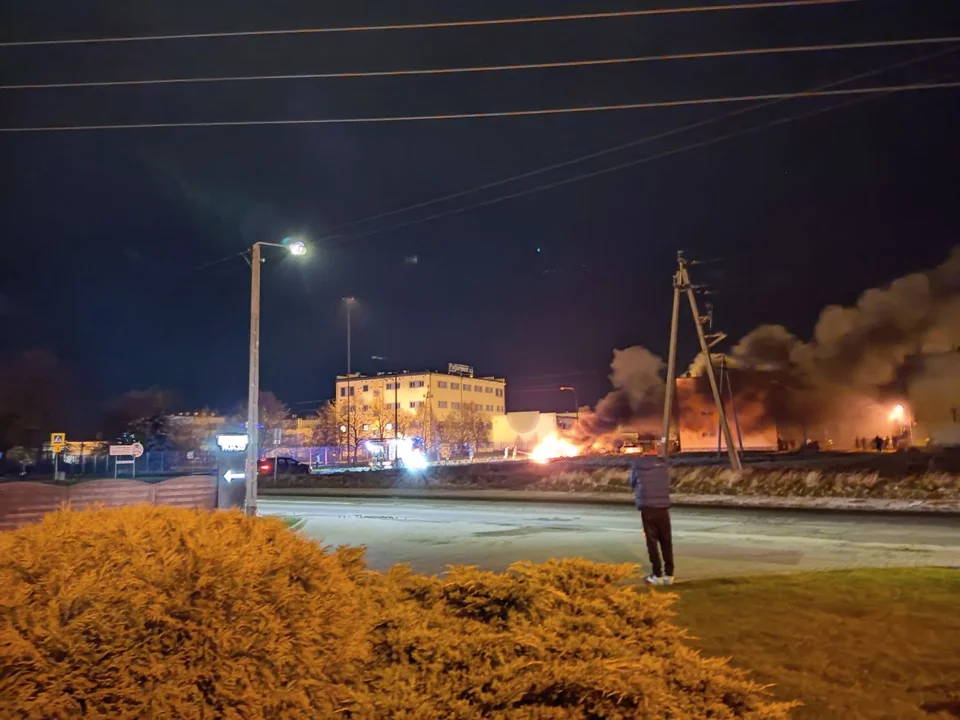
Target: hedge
[164, 612]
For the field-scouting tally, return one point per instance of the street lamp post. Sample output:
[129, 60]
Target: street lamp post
[349, 302]
[253, 389]
[576, 401]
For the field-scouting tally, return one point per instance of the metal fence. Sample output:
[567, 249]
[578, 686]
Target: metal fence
[151, 463]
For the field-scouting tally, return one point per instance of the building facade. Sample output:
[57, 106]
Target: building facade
[440, 393]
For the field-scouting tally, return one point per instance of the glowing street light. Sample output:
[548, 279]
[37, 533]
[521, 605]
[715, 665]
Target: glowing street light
[296, 247]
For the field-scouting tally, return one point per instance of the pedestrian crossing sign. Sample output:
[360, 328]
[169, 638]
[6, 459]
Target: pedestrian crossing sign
[58, 440]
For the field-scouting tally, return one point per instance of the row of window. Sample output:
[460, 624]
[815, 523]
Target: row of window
[442, 384]
[467, 387]
[442, 404]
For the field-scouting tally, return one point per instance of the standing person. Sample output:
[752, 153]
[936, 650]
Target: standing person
[650, 481]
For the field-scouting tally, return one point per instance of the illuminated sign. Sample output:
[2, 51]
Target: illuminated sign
[459, 369]
[234, 442]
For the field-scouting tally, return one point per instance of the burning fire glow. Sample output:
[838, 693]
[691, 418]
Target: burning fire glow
[553, 446]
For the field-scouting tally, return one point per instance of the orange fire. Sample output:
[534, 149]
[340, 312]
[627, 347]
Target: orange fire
[553, 446]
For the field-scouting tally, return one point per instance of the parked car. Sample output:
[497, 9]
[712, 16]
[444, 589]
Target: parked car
[285, 466]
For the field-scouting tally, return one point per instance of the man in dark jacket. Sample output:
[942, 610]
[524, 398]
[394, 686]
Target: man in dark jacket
[651, 493]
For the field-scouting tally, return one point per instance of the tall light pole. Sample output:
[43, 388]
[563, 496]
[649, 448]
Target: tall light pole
[253, 389]
[349, 302]
[576, 401]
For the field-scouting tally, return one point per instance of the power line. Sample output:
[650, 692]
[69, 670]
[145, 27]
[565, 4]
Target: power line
[331, 232]
[642, 161]
[495, 68]
[719, 100]
[435, 25]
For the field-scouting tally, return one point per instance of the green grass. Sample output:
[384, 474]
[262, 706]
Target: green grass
[848, 644]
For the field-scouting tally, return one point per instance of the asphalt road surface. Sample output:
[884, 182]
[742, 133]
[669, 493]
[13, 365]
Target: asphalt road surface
[431, 534]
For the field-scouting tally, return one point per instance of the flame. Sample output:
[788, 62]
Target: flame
[553, 446]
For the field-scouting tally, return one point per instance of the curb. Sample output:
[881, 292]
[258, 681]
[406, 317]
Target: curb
[812, 504]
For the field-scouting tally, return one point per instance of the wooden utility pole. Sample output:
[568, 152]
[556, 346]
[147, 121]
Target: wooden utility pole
[681, 283]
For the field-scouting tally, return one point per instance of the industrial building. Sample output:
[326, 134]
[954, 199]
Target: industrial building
[441, 392]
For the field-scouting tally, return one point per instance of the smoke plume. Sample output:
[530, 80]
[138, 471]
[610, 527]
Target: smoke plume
[897, 342]
[637, 394]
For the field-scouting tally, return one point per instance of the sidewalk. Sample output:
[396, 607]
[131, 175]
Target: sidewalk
[609, 498]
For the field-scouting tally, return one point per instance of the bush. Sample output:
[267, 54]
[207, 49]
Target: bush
[162, 612]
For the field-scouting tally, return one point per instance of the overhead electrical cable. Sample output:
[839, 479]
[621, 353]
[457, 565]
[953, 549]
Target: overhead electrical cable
[434, 25]
[627, 145]
[631, 163]
[716, 100]
[781, 50]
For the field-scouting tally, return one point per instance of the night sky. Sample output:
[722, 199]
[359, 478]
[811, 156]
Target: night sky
[108, 237]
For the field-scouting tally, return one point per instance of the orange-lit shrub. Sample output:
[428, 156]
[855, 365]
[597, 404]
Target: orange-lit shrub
[168, 613]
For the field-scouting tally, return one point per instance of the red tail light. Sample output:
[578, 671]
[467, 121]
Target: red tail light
[265, 466]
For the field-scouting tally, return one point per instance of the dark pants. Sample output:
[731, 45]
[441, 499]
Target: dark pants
[656, 528]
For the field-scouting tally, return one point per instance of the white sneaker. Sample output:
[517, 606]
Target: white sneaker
[668, 579]
[653, 580]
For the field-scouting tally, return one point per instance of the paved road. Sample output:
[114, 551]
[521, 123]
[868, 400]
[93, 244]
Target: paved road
[430, 534]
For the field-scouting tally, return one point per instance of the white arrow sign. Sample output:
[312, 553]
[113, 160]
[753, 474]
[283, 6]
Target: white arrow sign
[231, 475]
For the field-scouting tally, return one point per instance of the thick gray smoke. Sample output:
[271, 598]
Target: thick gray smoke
[894, 343]
[881, 348]
[637, 394]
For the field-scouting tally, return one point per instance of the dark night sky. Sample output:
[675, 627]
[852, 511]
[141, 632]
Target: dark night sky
[103, 232]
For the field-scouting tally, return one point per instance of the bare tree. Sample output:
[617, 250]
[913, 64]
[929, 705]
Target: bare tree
[466, 425]
[327, 430]
[32, 398]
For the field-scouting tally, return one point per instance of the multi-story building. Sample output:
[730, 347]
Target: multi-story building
[442, 393]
